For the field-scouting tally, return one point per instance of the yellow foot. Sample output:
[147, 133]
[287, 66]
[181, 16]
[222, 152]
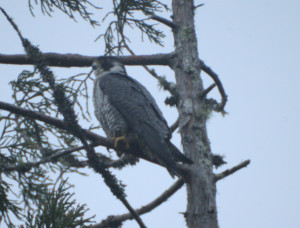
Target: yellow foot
[123, 139]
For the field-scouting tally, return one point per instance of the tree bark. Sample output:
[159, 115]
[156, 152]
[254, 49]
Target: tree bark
[201, 189]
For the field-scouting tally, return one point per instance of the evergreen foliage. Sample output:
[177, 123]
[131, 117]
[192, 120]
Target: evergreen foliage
[27, 170]
[58, 209]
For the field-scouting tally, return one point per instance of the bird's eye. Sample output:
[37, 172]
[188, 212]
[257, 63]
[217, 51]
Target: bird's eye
[94, 66]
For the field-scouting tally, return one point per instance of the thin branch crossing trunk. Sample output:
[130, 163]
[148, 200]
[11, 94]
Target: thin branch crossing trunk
[201, 188]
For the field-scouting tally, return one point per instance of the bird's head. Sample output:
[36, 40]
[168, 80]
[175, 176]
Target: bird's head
[108, 64]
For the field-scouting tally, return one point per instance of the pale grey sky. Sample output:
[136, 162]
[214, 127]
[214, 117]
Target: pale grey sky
[254, 46]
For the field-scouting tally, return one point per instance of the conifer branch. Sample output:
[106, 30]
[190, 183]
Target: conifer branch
[65, 108]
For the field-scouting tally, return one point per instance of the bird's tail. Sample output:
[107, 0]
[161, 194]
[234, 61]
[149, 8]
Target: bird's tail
[178, 156]
[165, 152]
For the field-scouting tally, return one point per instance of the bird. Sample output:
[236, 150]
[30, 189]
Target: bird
[128, 114]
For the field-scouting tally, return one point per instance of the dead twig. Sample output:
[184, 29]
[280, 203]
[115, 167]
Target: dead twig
[228, 172]
[208, 89]
[197, 6]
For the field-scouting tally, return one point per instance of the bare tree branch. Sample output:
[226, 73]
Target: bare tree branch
[228, 172]
[174, 126]
[76, 60]
[118, 219]
[218, 82]
[163, 21]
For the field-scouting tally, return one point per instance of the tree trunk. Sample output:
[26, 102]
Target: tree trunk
[201, 189]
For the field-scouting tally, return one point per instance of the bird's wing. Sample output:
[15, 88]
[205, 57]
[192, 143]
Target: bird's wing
[163, 125]
[140, 111]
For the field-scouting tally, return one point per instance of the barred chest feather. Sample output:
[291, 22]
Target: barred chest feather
[110, 119]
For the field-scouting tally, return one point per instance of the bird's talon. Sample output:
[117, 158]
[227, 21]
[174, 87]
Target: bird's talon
[122, 139]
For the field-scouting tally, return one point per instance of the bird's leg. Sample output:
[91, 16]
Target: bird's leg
[122, 138]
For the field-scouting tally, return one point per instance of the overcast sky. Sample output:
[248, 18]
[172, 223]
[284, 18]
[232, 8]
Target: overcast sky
[254, 46]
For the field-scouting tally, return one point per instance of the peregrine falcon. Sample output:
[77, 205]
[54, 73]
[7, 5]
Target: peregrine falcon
[129, 114]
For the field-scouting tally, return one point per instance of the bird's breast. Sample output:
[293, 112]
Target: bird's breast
[110, 119]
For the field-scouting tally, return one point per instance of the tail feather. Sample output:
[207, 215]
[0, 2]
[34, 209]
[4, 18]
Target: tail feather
[159, 147]
[178, 156]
